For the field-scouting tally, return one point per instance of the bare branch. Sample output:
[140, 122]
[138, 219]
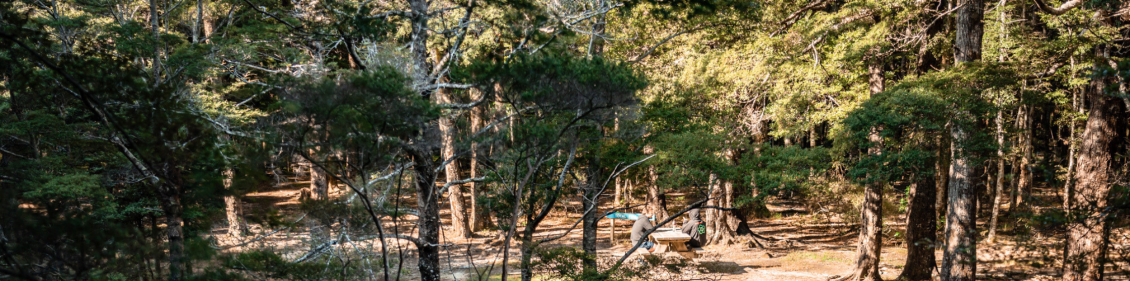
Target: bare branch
[664, 41]
[446, 86]
[251, 66]
[1062, 9]
[388, 176]
[462, 181]
[464, 105]
[13, 153]
[792, 18]
[271, 15]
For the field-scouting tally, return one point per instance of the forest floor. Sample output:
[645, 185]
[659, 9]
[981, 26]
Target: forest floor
[815, 249]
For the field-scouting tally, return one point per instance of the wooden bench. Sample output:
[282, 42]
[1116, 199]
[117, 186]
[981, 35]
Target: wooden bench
[672, 239]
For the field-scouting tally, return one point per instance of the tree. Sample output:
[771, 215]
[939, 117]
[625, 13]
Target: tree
[870, 238]
[559, 102]
[1089, 228]
[960, 259]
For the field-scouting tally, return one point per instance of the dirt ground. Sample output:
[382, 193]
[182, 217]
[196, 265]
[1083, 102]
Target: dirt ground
[813, 250]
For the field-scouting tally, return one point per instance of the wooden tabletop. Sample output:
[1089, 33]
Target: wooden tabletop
[670, 236]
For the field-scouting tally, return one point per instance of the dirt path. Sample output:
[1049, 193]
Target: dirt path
[814, 251]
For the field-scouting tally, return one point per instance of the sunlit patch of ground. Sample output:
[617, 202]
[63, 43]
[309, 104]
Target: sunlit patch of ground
[815, 249]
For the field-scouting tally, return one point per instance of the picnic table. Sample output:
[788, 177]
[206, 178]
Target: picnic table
[672, 239]
[664, 238]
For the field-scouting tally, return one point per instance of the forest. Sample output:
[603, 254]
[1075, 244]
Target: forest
[518, 139]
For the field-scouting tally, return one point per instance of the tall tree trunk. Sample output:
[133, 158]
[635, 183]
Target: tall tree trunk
[1017, 165]
[427, 203]
[921, 232]
[870, 236]
[427, 198]
[1024, 184]
[525, 263]
[1088, 233]
[960, 259]
[656, 201]
[197, 24]
[941, 166]
[812, 137]
[1002, 16]
[596, 41]
[619, 180]
[459, 224]
[170, 204]
[1000, 178]
[590, 204]
[231, 207]
[1071, 155]
[319, 187]
[719, 229]
[480, 218]
[418, 43]
[154, 21]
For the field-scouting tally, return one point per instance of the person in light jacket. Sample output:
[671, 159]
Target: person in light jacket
[642, 225]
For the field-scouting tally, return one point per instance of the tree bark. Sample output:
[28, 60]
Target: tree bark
[941, 166]
[1088, 231]
[590, 203]
[921, 232]
[870, 236]
[427, 202]
[596, 41]
[1071, 157]
[459, 224]
[1017, 165]
[1000, 178]
[427, 198]
[170, 204]
[480, 218]
[718, 229]
[196, 25]
[231, 207]
[319, 187]
[656, 201]
[154, 21]
[960, 259]
[1024, 183]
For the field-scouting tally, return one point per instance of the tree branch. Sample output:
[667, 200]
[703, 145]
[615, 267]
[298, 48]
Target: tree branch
[792, 18]
[13, 153]
[1062, 9]
[271, 15]
[664, 41]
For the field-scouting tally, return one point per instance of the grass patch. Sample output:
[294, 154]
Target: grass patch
[817, 257]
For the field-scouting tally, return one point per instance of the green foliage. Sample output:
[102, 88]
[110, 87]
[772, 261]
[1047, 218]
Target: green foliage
[563, 263]
[910, 116]
[556, 82]
[785, 169]
[272, 265]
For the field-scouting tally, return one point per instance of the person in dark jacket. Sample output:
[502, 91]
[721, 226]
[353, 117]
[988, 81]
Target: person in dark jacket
[696, 228]
[642, 225]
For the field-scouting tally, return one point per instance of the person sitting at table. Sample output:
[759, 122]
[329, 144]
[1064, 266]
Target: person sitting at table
[642, 225]
[696, 228]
